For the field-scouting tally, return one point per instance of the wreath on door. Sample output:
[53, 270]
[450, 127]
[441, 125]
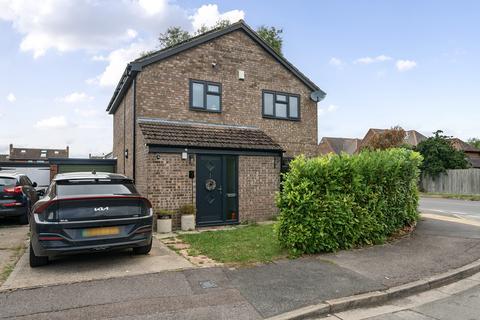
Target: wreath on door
[210, 184]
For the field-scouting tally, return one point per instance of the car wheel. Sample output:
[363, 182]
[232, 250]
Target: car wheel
[23, 219]
[143, 250]
[36, 261]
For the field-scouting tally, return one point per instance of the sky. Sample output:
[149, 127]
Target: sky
[382, 63]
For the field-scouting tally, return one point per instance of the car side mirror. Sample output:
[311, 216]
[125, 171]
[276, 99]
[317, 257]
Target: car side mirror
[34, 184]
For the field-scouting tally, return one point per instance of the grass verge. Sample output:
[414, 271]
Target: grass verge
[472, 197]
[8, 268]
[246, 245]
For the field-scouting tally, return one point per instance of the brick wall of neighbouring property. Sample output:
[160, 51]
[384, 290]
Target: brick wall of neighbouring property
[53, 170]
[163, 90]
[258, 181]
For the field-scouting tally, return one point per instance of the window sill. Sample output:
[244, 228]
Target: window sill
[284, 119]
[205, 110]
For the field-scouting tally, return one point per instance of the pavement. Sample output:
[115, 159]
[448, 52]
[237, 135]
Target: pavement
[459, 301]
[440, 243]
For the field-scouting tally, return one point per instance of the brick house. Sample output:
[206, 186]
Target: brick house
[34, 154]
[208, 121]
[472, 154]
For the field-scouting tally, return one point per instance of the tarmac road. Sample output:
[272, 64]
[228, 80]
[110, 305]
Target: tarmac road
[451, 207]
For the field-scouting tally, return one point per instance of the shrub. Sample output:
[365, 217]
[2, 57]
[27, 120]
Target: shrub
[186, 209]
[340, 201]
[165, 214]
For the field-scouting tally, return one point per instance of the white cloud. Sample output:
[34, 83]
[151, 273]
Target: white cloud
[111, 31]
[405, 65]
[76, 97]
[117, 61]
[86, 24]
[331, 108]
[369, 60]
[11, 97]
[52, 123]
[208, 14]
[336, 62]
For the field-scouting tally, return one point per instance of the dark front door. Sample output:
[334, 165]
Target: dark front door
[217, 197]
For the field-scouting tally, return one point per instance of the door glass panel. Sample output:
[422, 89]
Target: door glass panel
[231, 188]
[197, 95]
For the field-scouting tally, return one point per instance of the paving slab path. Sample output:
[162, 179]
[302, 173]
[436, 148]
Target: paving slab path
[259, 291]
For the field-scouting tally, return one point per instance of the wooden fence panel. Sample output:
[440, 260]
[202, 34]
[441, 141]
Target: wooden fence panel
[458, 181]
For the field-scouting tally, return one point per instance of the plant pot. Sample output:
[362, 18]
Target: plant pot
[188, 222]
[164, 225]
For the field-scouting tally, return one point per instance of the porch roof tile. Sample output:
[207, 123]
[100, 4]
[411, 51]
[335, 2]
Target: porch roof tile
[168, 133]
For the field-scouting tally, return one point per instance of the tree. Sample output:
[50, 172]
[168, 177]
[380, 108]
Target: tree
[172, 36]
[272, 36]
[474, 142]
[391, 138]
[175, 35]
[439, 155]
[220, 24]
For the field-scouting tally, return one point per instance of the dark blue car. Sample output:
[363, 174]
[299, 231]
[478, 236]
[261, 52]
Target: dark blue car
[17, 196]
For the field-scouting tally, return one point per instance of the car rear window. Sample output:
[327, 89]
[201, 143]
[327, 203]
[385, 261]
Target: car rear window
[94, 187]
[4, 181]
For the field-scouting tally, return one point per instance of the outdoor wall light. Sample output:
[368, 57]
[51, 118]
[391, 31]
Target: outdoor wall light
[126, 153]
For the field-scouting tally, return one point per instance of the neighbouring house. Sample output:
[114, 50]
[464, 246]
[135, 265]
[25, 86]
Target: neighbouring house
[472, 153]
[338, 145]
[208, 121]
[412, 137]
[35, 154]
[353, 145]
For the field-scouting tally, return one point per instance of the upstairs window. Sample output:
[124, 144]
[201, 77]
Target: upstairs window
[205, 96]
[280, 105]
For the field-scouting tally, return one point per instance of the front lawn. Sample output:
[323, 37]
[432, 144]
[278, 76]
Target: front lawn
[256, 243]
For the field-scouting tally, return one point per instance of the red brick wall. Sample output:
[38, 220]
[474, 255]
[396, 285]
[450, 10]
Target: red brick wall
[163, 90]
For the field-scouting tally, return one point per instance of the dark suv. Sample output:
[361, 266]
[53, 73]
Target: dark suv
[89, 212]
[17, 196]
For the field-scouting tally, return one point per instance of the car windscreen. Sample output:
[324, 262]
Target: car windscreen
[95, 187]
[6, 181]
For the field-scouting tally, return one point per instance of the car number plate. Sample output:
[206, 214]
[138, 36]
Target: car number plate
[97, 232]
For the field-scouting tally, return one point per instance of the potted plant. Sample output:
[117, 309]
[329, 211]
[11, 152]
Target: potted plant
[187, 212]
[164, 221]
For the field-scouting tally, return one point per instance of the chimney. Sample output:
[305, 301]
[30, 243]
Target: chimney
[11, 149]
[68, 152]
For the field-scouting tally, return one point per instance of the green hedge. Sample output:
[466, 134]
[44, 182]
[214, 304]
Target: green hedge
[340, 201]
